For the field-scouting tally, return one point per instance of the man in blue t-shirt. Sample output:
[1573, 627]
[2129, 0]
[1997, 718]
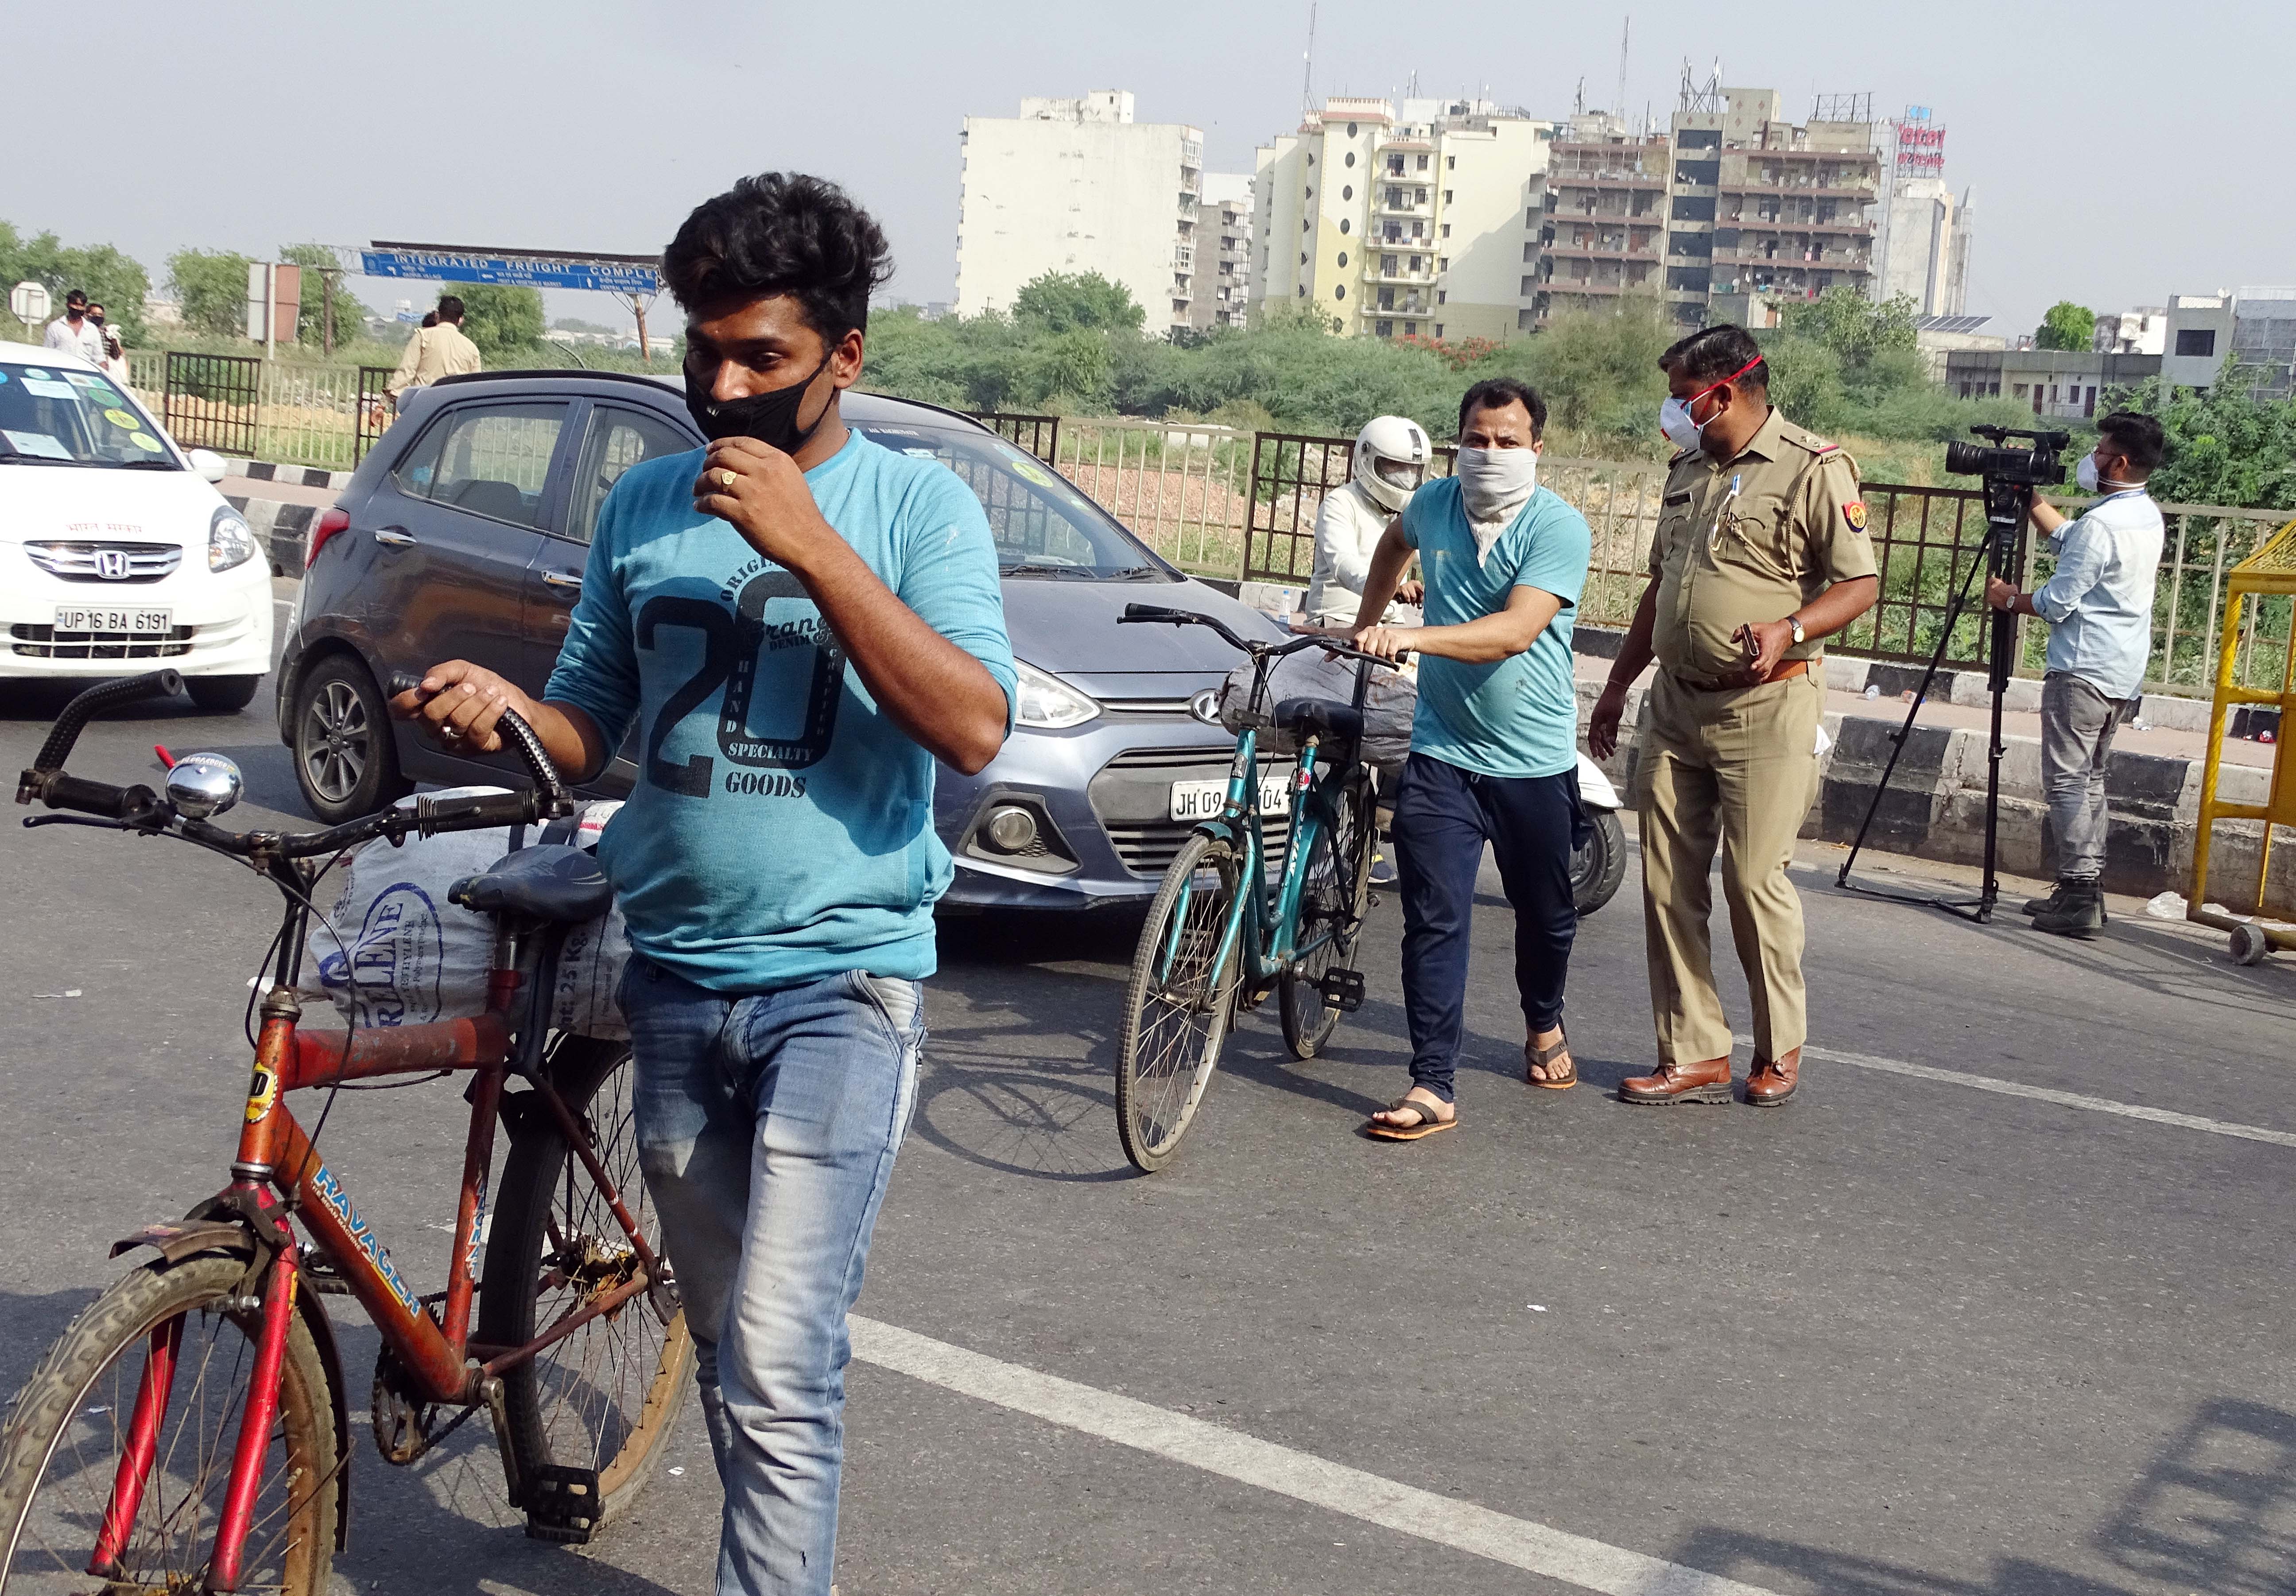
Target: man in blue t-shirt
[799, 622]
[1495, 744]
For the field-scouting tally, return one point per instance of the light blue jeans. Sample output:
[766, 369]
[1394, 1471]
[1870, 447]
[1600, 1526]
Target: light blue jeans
[766, 1125]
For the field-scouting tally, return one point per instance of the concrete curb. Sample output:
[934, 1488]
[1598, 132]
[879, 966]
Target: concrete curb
[294, 476]
[281, 529]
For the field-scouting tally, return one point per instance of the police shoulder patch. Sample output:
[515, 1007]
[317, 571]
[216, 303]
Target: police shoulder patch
[1854, 512]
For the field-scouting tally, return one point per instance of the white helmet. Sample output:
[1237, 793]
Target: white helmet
[1390, 457]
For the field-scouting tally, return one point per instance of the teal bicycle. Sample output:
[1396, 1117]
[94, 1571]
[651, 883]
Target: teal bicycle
[1223, 933]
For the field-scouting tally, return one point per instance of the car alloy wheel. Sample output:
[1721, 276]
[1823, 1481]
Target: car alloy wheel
[338, 741]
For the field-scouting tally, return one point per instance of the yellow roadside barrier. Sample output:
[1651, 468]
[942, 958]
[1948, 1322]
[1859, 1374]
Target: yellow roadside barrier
[2270, 570]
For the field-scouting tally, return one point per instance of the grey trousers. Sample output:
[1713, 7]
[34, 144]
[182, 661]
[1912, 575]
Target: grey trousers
[2077, 727]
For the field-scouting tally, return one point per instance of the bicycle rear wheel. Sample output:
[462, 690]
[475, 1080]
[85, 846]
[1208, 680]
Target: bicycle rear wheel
[71, 1422]
[1334, 893]
[1177, 1005]
[606, 1396]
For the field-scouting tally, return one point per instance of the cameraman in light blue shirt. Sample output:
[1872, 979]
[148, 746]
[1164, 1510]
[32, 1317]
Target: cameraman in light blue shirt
[2099, 607]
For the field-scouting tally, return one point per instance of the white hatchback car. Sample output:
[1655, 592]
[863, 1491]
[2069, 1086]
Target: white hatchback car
[115, 547]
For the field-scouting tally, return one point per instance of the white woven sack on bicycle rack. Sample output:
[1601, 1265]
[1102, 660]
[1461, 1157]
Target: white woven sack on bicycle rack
[414, 956]
[1388, 703]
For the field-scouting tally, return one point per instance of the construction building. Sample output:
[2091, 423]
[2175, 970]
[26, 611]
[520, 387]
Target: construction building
[1222, 252]
[1077, 185]
[1607, 192]
[1413, 219]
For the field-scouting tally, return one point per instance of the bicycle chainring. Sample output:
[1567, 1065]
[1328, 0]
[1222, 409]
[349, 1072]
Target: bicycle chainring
[404, 1426]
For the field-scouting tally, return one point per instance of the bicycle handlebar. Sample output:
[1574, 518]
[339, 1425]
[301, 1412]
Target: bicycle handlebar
[48, 766]
[1136, 613]
[553, 801]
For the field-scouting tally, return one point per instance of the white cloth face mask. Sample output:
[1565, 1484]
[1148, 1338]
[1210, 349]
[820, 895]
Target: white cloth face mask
[1496, 482]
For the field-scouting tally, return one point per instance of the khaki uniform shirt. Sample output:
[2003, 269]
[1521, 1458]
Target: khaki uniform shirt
[433, 353]
[1752, 539]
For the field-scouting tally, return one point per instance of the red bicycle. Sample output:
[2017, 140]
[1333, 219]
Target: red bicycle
[190, 1430]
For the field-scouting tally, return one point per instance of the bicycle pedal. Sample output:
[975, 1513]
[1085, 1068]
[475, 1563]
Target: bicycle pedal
[1343, 989]
[561, 1504]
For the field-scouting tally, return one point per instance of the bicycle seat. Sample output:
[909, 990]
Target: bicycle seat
[1319, 718]
[549, 881]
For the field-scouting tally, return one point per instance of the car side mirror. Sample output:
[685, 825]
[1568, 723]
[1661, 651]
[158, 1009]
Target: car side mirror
[208, 464]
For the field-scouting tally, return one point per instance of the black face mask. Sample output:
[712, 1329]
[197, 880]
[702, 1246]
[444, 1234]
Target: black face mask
[770, 417]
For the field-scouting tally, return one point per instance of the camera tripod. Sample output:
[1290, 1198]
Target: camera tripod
[2006, 510]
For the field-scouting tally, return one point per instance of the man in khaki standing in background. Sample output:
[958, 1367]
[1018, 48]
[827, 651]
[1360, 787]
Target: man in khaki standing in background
[1760, 552]
[435, 351]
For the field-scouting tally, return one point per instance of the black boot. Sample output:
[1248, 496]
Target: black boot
[2043, 906]
[2080, 914]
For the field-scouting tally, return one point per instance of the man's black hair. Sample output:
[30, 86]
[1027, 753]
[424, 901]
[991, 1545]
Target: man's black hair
[75, 298]
[1672, 355]
[781, 233]
[1714, 354]
[1496, 393]
[429, 318]
[2138, 436]
[450, 308]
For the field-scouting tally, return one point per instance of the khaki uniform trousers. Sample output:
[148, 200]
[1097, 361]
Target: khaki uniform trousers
[1739, 768]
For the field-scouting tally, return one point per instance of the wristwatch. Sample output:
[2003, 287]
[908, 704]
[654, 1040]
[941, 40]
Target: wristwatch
[1794, 621]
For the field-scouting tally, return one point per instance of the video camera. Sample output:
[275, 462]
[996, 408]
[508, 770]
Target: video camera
[2036, 466]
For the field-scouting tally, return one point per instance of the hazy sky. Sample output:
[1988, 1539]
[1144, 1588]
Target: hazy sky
[2119, 152]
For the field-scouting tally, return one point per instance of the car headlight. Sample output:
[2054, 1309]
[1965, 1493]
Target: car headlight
[229, 542]
[1049, 703]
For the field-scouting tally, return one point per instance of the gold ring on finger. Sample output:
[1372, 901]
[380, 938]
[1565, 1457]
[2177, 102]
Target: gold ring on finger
[726, 479]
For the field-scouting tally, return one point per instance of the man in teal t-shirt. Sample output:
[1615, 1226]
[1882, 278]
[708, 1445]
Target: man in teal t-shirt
[1495, 745]
[798, 622]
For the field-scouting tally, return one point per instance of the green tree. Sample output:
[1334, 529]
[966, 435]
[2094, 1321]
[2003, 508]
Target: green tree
[2066, 326]
[110, 278]
[2226, 445]
[1058, 301]
[1856, 329]
[211, 287]
[500, 319]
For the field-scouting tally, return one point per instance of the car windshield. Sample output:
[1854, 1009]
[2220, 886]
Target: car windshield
[1044, 528]
[66, 417]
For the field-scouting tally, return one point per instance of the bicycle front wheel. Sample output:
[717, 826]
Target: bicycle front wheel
[1177, 1004]
[606, 1396]
[70, 1430]
[1334, 893]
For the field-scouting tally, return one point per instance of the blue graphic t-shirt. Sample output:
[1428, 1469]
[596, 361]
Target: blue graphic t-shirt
[781, 828]
[1517, 716]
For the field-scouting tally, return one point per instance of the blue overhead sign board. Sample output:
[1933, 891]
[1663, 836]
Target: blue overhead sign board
[522, 271]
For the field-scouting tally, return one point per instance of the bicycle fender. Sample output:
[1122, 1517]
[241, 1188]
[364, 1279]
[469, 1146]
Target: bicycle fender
[188, 1239]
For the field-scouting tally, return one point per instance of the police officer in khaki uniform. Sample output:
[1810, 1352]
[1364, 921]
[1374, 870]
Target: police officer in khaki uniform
[1760, 552]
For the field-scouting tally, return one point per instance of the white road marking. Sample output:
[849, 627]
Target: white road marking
[1462, 1526]
[2066, 1099]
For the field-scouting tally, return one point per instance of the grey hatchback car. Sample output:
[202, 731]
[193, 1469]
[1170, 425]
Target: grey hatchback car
[464, 534]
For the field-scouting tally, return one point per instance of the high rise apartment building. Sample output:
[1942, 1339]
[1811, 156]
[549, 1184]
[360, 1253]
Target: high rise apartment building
[1730, 210]
[1420, 218]
[1921, 243]
[1222, 253]
[1077, 185]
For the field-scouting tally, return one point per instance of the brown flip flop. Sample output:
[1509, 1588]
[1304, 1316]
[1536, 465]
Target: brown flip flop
[1538, 1057]
[1428, 1124]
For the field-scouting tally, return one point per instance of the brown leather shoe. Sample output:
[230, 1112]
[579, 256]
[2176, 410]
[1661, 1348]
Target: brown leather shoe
[1771, 1084]
[1707, 1082]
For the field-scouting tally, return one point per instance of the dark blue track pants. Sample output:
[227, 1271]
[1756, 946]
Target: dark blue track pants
[1443, 817]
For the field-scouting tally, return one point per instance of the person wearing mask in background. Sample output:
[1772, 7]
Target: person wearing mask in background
[2099, 607]
[115, 355]
[71, 333]
[1388, 462]
[1760, 552]
[435, 351]
[1494, 741]
[776, 863]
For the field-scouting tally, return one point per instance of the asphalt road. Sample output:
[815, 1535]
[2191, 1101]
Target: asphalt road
[1914, 1333]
